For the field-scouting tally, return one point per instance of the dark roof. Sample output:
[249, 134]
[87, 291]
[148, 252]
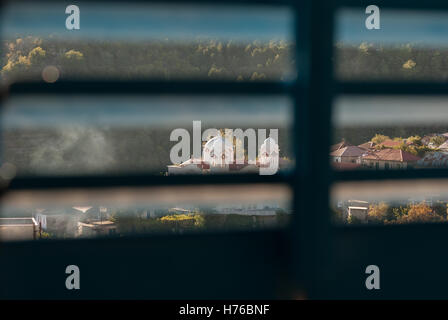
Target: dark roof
[350, 151]
[339, 145]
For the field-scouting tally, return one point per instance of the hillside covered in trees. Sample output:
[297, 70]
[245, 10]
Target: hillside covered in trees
[402, 62]
[26, 58]
[202, 59]
[110, 149]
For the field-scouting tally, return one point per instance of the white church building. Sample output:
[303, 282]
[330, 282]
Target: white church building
[218, 156]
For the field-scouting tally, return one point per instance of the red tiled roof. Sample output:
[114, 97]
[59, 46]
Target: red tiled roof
[350, 151]
[392, 155]
[390, 143]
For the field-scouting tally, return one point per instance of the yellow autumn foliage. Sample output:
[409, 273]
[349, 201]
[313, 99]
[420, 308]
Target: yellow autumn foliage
[73, 54]
[410, 64]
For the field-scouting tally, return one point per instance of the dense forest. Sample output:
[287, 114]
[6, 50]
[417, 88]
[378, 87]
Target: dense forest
[26, 59]
[401, 62]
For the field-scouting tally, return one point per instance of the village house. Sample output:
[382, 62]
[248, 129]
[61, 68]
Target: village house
[357, 209]
[339, 145]
[349, 154]
[389, 159]
[434, 160]
[389, 143]
[358, 213]
[367, 145]
[62, 222]
[216, 150]
[19, 229]
[444, 146]
[388, 154]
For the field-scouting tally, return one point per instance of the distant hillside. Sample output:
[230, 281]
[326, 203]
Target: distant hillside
[206, 59]
[376, 62]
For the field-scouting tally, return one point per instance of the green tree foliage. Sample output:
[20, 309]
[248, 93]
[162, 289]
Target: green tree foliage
[378, 212]
[379, 138]
[37, 55]
[128, 223]
[166, 59]
[437, 140]
[398, 212]
[411, 213]
[440, 209]
[415, 140]
[45, 235]
[415, 149]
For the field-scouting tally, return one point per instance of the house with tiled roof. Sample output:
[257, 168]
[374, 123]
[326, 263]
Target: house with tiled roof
[390, 143]
[369, 145]
[350, 154]
[339, 145]
[389, 159]
[19, 229]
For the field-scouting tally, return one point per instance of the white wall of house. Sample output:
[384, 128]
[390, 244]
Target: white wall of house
[18, 229]
[346, 159]
[383, 164]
